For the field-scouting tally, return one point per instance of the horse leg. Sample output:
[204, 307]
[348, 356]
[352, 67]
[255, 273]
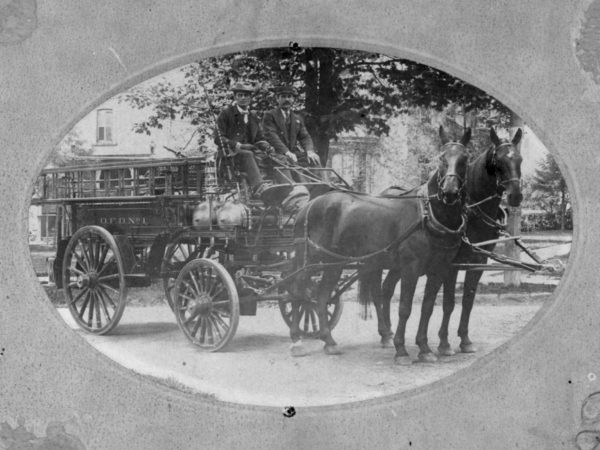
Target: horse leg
[328, 282]
[407, 292]
[297, 348]
[431, 289]
[444, 348]
[386, 294]
[470, 288]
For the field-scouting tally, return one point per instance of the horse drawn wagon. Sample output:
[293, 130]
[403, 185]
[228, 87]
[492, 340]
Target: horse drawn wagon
[187, 222]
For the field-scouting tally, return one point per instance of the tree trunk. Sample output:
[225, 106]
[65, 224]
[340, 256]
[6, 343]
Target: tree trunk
[320, 99]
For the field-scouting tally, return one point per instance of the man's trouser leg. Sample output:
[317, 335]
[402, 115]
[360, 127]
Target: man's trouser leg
[246, 159]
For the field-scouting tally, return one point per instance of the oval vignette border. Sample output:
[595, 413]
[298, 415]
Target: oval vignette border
[183, 406]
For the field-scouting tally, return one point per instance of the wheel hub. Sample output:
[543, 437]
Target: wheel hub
[89, 280]
[202, 304]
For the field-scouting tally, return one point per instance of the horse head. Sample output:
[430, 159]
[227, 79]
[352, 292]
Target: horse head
[504, 162]
[452, 167]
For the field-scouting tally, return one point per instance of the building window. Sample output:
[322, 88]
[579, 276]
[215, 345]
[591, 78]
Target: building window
[104, 129]
[47, 227]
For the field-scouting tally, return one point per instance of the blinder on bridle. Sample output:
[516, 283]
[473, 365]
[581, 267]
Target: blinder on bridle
[441, 179]
[500, 184]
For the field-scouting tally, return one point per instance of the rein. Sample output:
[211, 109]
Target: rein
[427, 220]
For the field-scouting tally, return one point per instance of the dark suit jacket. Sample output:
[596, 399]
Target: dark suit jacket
[232, 129]
[284, 140]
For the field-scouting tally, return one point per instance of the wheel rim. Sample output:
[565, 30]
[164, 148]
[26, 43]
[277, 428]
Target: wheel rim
[206, 304]
[94, 280]
[177, 255]
[309, 319]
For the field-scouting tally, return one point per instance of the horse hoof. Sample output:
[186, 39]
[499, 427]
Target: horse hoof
[427, 357]
[298, 349]
[446, 351]
[403, 360]
[387, 342]
[468, 348]
[332, 350]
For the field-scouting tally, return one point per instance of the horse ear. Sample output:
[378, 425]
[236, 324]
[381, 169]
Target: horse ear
[443, 136]
[517, 137]
[494, 137]
[466, 137]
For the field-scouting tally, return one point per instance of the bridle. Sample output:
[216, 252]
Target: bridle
[501, 184]
[442, 179]
[500, 188]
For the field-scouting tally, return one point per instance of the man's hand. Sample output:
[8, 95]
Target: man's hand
[313, 158]
[246, 147]
[291, 157]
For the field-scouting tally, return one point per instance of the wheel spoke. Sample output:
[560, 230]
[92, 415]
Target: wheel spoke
[202, 329]
[215, 328]
[90, 252]
[107, 297]
[102, 301]
[190, 288]
[91, 310]
[192, 317]
[209, 332]
[196, 325]
[97, 304]
[220, 321]
[78, 297]
[181, 294]
[102, 256]
[193, 277]
[114, 276]
[106, 286]
[106, 264]
[81, 262]
[85, 304]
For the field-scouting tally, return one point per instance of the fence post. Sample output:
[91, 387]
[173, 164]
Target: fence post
[513, 277]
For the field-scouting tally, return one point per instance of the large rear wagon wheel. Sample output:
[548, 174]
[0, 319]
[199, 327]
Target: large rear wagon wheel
[307, 301]
[93, 279]
[206, 304]
[180, 251]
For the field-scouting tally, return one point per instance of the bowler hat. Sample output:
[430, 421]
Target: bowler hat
[242, 87]
[286, 89]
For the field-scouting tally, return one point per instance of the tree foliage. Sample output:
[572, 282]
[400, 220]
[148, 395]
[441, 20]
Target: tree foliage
[338, 90]
[548, 189]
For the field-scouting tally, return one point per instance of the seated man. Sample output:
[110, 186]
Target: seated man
[287, 134]
[238, 134]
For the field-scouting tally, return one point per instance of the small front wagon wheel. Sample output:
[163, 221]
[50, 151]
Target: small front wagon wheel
[206, 304]
[94, 279]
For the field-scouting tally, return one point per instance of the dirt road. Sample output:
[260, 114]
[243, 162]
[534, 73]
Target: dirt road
[256, 366]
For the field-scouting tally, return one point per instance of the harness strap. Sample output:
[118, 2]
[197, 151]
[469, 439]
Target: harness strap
[346, 258]
[432, 222]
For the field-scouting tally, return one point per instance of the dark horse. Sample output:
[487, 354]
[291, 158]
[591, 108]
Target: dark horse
[418, 233]
[492, 173]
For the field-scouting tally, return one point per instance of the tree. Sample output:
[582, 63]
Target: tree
[70, 149]
[549, 189]
[339, 90]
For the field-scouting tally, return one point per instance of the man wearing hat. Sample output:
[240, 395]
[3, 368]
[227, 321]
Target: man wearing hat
[286, 132]
[239, 134]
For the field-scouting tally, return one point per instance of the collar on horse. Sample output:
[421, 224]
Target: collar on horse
[432, 224]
